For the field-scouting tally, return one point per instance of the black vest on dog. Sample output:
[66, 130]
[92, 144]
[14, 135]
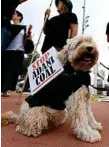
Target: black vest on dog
[55, 93]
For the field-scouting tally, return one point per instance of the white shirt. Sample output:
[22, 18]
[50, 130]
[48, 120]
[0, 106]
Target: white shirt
[17, 42]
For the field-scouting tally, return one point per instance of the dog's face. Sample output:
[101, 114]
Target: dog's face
[81, 52]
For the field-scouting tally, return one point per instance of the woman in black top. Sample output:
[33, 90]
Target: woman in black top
[57, 28]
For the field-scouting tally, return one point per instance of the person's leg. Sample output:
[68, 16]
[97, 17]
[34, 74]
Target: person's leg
[8, 80]
[5, 36]
[11, 71]
[5, 70]
[17, 68]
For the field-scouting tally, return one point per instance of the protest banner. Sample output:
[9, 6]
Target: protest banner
[43, 70]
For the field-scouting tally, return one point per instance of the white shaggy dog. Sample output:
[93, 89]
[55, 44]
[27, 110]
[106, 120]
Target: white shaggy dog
[82, 54]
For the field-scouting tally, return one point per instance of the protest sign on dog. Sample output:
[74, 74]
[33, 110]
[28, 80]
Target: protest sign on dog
[43, 70]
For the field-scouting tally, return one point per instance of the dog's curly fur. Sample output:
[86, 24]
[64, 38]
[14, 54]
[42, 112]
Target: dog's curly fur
[82, 53]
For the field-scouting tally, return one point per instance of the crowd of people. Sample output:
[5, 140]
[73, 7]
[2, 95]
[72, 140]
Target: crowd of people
[13, 45]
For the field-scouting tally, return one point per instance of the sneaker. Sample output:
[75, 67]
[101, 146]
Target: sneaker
[5, 94]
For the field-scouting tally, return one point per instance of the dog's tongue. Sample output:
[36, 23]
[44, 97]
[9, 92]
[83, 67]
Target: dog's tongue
[87, 58]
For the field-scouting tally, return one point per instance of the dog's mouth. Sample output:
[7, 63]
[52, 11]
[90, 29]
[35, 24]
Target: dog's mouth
[88, 57]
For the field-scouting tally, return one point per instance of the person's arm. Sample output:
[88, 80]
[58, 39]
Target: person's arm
[73, 30]
[108, 38]
[29, 33]
[73, 25]
[47, 12]
[28, 42]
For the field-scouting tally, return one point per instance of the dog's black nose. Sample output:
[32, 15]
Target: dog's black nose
[89, 49]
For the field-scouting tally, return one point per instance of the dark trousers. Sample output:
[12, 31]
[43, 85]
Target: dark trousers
[11, 68]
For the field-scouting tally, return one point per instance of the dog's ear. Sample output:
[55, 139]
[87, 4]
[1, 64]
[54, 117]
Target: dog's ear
[62, 55]
[71, 43]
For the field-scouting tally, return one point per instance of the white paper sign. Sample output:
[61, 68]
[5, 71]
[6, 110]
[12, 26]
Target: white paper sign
[43, 70]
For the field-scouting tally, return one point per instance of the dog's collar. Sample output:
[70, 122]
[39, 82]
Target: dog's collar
[73, 71]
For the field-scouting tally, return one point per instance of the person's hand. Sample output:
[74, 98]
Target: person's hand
[30, 28]
[29, 31]
[47, 12]
[21, 1]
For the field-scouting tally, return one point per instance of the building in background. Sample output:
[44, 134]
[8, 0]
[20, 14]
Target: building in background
[99, 79]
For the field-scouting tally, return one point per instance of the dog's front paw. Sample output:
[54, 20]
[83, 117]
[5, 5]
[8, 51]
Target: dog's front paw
[4, 121]
[89, 135]
[93, 136]
[29, 131]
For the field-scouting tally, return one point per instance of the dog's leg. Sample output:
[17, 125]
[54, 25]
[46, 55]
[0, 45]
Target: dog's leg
[58, 116]
[23, 108]
[34, 121]
[9, 118]
[92, 122]
[78, 111]
[65, 117]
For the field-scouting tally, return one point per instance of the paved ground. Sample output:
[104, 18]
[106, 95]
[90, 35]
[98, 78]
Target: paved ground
[60, 137]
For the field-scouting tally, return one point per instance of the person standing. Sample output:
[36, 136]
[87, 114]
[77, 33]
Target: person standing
[13, 56]
[59, 28]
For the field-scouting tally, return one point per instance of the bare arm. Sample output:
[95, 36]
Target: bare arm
[47, 12]
[44, 28]
[107, 37]
[73, 30]
[29, 35]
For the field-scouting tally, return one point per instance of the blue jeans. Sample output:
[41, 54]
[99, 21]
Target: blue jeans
[5, 36]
